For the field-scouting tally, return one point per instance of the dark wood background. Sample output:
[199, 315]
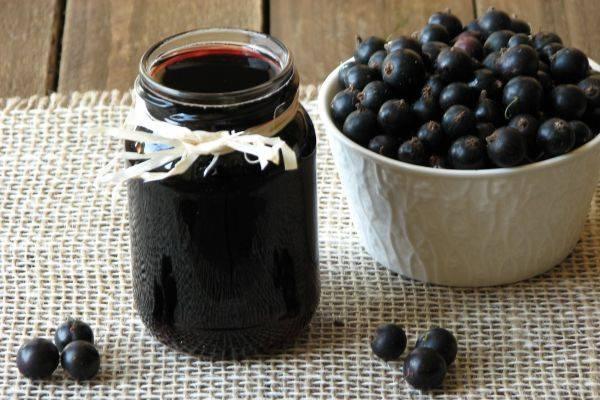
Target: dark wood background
[67, 45]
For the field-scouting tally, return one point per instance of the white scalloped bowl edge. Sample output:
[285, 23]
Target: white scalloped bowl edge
[463, 228]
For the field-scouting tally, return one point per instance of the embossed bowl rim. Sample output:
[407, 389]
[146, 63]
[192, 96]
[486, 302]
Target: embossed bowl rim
[326, 93]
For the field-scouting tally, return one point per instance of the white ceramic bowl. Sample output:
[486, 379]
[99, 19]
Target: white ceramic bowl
[463, 228]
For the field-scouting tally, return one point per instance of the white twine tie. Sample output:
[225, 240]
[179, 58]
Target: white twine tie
[186, 145]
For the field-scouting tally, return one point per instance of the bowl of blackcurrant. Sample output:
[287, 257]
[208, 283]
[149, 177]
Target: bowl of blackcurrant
[468, 154]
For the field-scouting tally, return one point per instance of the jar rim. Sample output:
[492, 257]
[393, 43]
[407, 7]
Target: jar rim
[181, 41]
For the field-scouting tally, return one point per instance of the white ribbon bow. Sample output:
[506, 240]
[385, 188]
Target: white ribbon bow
[187, 145]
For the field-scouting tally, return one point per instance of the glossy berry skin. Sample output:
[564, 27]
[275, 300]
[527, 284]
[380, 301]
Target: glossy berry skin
[432, 136]
[542, 39]
[360, 126]
[37, 358]
[549, 50]
[424, 368]
[494, 20]
[343, 104]
[440, 340]
[395, 117]
[569, 65]
[527, 125]
[555, 137]
[377, 59]
[449, 21]
[591, 89]
[70, 331]
[454, 64]
[467, 152]
[484, 129]
[497, 40]
[81, 360]
[488, 110]
[519, 26]
[413, 151]
[519, 38]
[434, 85]
[386, 145]
[568, 101]
[474, 28]
[471, 45]
[404, 71]
[491, 61]
[457, 93]
[458, 121]
[366, 48]
[359, 75]
[403, 43]
[430, 52]
[522, 95]
[546, 81]
[506, 147]
[389, 342]
[486, 79]
[343, 72]
[518, 60]
[426, 108]
[582, 131]
[434, 33]
[374, 95]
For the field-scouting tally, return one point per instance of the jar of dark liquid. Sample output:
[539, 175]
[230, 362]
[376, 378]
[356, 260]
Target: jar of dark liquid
[225, 262]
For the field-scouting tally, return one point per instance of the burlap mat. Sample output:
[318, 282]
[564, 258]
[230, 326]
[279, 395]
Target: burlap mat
[64, 252]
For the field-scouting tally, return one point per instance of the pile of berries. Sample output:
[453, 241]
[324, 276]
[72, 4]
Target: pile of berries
[73, 346]
[426, 365]
[486, 95]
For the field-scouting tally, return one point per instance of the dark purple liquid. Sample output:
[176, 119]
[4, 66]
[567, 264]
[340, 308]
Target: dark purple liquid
[226, 265]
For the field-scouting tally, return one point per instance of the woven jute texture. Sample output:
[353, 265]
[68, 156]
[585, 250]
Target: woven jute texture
[64, 252]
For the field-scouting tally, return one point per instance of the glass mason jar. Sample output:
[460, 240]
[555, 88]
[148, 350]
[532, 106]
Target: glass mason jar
[225, 265]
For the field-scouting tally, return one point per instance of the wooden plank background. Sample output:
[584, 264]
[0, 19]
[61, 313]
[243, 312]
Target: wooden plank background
[66, 45]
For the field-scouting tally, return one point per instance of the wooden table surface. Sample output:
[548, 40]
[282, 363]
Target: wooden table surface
[67, 45]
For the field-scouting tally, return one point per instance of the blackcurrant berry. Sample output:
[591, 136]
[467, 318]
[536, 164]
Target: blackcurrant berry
[81, 360]
[404, 71]
[497, 41]
[403, 43]
[485, 79]
[386, 145]
[359, 75]
[527, 125]
[518, 60]
[467, 152]
[389, 342]
[454, 64]
[396, 118]
[494, 20]
[542, 39]
[360, 126]
[70, 331]
[458, 121]
[37, 358]
[473, 27]
[546, 81]
[424, 368]
[426, 108]
[471, 46]
[484, 129]
[431, 51]
[591, 89]
[488, 110]
[542, 66]
[439, 162]
[457, 93]
[374, 95]
[413, 151]
[506, 147]
[548, 51]
[491, 61]
[434, 85]
[434, 33]
[432, 136]
[366, 48]
[569, 65]
[440, 340]
[343, 104]
[519, 26]
[376, 60]
[568, 101]
[448, 20]
[522, 95]
[555, 137]
[343, 72]
[583, 133]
